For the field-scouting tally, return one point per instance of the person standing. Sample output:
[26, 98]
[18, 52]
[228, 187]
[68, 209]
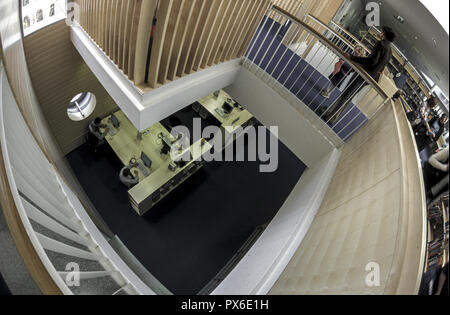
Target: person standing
[127, 177]
[341, 71]
[95, 129]
[374, 65]
[432, 131]
[437, 174]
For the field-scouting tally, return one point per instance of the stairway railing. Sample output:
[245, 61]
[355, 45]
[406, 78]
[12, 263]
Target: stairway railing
[298, 58]
[71, 248]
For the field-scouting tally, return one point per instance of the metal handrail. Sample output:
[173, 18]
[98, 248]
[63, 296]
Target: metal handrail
[351, 36]
[335, 50]
[346, 41]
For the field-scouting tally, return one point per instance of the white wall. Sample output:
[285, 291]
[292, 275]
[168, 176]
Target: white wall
[272, 110]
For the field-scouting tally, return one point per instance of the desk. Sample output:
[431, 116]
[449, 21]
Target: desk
[229, 123]
[126, 146]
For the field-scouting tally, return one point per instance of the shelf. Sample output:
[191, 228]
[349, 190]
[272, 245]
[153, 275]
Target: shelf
[437, 234]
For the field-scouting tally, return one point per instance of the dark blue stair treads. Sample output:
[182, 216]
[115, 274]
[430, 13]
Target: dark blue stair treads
[298, 76]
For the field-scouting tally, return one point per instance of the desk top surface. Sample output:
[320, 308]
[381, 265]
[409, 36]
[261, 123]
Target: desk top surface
[230, 122]
[126, 145]
[162, 175]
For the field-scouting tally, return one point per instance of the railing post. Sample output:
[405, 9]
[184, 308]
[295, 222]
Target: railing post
[144, 12]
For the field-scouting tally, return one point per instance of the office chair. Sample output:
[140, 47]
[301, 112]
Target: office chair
[156, 196]
[174, 121]
[196, 107]
[203, 113]
[92, 142]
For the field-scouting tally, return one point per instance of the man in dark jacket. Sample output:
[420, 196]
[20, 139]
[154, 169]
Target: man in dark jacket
[374, 66]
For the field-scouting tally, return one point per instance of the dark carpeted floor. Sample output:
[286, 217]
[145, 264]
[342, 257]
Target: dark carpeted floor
[186, 239]
[3, 287]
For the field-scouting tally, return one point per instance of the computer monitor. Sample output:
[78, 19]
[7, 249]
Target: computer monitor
[146, 160]
[227, 108]
[115, 121]
[165, 150]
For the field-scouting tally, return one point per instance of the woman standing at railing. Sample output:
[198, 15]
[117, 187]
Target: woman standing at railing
[341, 70]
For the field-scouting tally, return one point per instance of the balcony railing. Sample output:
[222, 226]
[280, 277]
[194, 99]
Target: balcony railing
[155, 42]
[298, 59]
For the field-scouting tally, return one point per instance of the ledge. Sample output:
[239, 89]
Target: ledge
[147, 108]
[408, 264]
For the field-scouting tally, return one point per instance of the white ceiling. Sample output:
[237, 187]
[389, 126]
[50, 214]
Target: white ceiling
[440, 11]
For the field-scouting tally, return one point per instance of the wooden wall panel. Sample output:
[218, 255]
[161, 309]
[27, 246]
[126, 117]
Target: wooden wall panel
[192, 27]
[190, 35]
[144, 12]
[187, 13]
[171, 34]
[59, 73]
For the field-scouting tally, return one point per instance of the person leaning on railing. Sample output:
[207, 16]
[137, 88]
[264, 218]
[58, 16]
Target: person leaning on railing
[374, 65]
[341, 71]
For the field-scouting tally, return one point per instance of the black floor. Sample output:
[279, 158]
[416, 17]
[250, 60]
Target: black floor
[3, 287]
[186, 239]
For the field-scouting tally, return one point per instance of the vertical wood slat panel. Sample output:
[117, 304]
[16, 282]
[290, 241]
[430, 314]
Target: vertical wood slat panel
[169, 41]
[198, 36]
[181, 37]
[209, 27]
[97, 19]
[231, 31]
[123, 16]
[232, 11]
[259, 14]
[158, 43]
[116, 31]
[106, 27]
[220, 33]
[127, 34]
[240, 20]
[111, 28]
[245, 26]
[192, 30]
[190, 34]
[103, 23]
[133, 38]
[144, 29]
[88, 16]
